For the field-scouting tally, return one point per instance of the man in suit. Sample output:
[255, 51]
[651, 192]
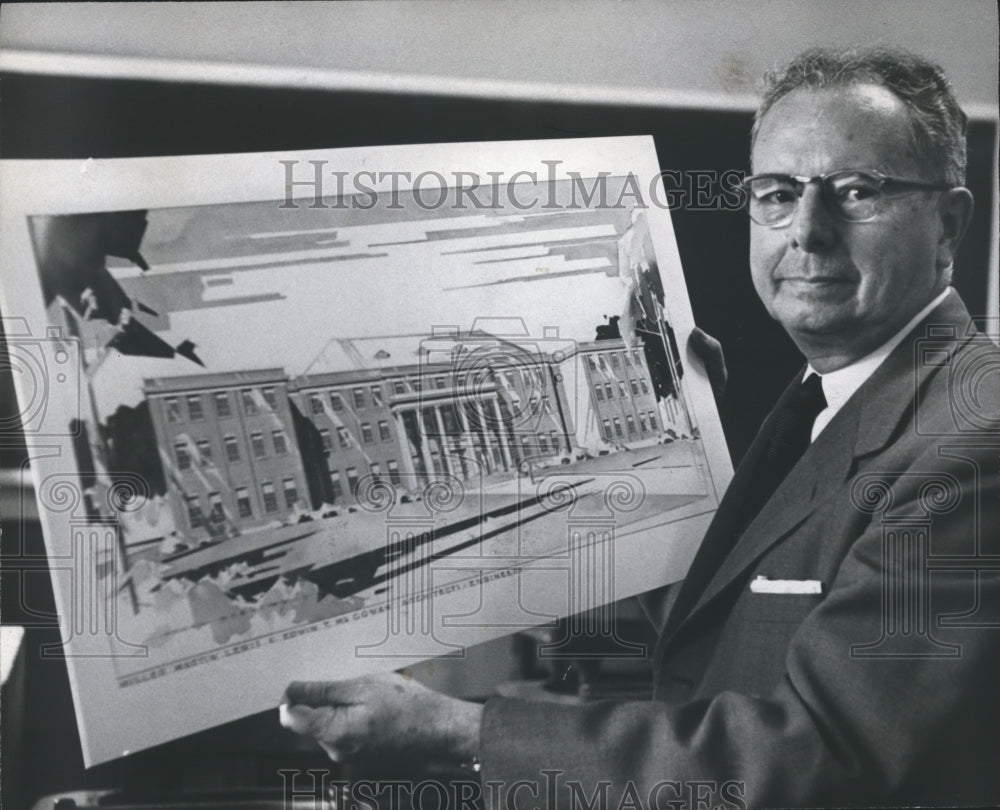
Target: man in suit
[837, 640]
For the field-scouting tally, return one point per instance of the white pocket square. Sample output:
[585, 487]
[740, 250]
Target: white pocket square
[802, 586]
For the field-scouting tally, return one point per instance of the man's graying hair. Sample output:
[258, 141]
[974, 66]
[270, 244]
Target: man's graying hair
[939, 124]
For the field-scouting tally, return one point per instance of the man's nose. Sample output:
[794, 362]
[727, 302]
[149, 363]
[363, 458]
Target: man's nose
[814, 228]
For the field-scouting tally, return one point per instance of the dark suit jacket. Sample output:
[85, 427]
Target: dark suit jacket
[884, 689]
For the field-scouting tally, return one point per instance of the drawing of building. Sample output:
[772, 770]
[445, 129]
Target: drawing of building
[347, 431]
[411, 410]
[246, 448]
[228, 448]
[531, 393]
[623, 397]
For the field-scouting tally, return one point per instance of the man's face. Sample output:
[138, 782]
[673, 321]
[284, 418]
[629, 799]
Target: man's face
[840, 288]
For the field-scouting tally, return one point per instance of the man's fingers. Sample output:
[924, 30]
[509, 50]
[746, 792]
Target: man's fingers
[295, 718]
[312, 723]
[304, 720]
[341, 693]
[322, 724]
[318, 693]
[709, 351]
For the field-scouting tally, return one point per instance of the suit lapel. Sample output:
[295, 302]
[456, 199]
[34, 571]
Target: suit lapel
[865, 424]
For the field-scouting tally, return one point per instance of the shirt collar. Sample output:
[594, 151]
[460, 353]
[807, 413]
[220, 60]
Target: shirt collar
[840, 385]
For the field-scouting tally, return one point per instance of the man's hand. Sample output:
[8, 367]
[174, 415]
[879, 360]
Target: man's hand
[707, 349]
[383, 716]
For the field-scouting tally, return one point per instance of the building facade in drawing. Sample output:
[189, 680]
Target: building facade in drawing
[243, 449]
[410, 410]
[624, 408]
[228, 448]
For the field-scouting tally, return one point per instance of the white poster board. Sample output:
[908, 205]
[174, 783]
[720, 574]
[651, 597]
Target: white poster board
[312, 415]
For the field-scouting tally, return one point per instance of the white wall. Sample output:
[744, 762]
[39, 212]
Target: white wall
[705, 53]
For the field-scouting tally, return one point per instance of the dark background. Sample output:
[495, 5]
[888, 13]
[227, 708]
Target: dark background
[61, 117]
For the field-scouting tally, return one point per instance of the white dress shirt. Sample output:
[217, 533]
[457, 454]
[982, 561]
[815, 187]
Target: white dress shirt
[840, 385]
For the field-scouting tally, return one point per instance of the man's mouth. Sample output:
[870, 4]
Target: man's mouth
[814, 282]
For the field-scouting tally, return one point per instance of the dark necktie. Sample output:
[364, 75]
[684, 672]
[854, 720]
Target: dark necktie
[790, 432]
[790, 436]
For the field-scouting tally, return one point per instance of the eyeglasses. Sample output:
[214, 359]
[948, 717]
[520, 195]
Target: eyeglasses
[854, 196]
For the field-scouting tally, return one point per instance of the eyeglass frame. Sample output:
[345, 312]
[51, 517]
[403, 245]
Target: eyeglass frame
[801, 182]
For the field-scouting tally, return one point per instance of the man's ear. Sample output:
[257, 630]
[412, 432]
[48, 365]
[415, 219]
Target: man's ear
[955, 210]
